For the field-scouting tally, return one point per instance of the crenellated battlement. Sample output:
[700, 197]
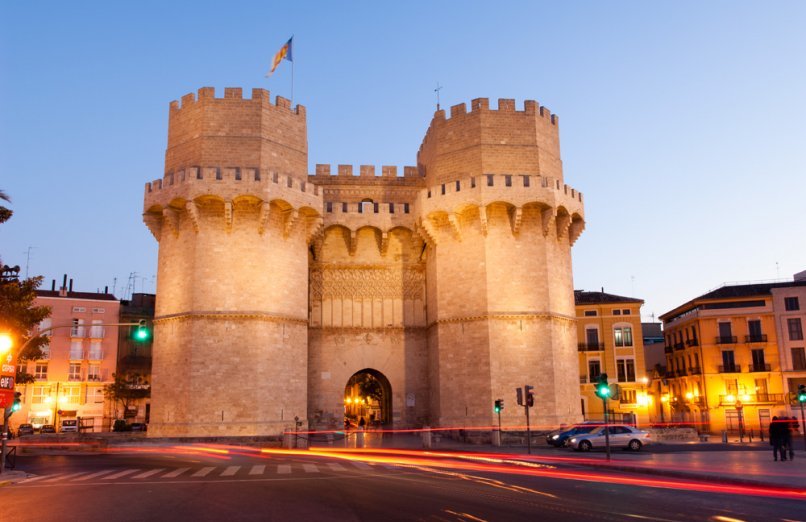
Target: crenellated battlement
[260, 96]
[505, 105]
[521, 183]
[364, 171]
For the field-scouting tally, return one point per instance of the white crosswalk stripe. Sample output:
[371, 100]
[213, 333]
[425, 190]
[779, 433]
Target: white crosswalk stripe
[59, 478]
[175, 473]
[335, 466]
[203, 472]
[94, 475]
[257, 469]
[121, 474]
[310, 468]
[283, 468]
[40, 477]
[361, 465]
[230, 471]
[148, 473]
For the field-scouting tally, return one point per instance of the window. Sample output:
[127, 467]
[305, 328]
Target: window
[626, 312]
[79, 309]
[39, 394]
[458, 185]
[594, 369]
[758, 360]
[76, 350]
[798, 358]
[623, 335]
[725, 332]
[628, 396]
[95, 352]
[728, 362]
[754, 329]
[72, 393]
[41, 371]
[78, 328]
[489, 180]
[44, 325]
[795, 329]
[791, 304]
[95, 395]
[94, 372]
[75, 373]
[98, 310]
[592, 337]
[508, 180]
[96, 330]
[590, 313]
[761, 390]
[626, 370]
[616, 312]
[45, 351]
[329, 206]
[731, 387]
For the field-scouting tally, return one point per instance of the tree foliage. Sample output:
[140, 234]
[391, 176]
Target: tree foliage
[19, 316]
[5, 214]
[127, 388]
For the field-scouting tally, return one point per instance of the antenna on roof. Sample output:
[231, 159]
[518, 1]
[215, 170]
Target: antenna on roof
[439, 88]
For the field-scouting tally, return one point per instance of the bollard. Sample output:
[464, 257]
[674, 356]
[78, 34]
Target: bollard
[724, 437]
[359, 438]
[496, 437]
[426, 435]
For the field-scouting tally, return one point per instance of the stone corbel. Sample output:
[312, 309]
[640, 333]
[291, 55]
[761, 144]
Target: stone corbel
[353, 242]
[430, 234]
[577, 226]
[563, 223]
[193, 214]
[316, 228]
[228, 215]
[291, 219]
[453, 219]
[154, 224]
[384, 246]
[515, 219]
[171, 217]
[547, 216]
[263, 219]
[483, 220]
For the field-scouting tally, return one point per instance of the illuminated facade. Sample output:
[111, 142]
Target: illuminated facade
[450, 285]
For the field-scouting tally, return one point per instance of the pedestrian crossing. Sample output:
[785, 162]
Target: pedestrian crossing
[209, 472]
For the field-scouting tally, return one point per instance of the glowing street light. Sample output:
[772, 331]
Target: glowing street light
[6, 342]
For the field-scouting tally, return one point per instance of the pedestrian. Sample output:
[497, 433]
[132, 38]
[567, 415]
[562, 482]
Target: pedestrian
[777, 439]
[791, 431]
[362, 423]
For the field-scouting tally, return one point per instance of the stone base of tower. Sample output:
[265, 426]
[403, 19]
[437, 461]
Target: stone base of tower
[221, 374]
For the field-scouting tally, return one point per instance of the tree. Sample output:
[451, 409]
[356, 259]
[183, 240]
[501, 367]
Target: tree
[5, 214]
[127, 388]
[19, 316]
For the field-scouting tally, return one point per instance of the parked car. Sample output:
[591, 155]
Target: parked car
[138, 426]
[69, 426]
[25, 429]
[48, 428]
[621, 436]
[560, 438]
[120, 425]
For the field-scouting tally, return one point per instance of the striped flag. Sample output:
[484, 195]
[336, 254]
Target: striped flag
[283, 54]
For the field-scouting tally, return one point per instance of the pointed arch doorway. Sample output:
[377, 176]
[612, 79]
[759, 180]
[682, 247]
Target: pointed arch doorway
[368, 395]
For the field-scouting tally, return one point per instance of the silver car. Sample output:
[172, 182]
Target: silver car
[621, 436]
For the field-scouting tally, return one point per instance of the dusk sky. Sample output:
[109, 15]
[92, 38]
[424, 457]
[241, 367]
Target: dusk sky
[683, 123]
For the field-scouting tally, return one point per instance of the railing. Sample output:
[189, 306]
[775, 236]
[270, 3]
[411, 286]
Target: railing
[760, 367]
[758, 398]
[761, 338]
[93, 377]
[670, 374]
[726, 339]
[95, 355]
[667, 349]
[695, 370]
[682, 372]
[735, 368]
[590, 347]
[74, 378]
[678, 346]
[76, 355]
[583, 379]
[692, 342]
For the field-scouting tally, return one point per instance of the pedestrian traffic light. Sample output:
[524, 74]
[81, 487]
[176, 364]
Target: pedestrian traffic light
[499, 405]
[519, 393]
[802, 393]
[17, 404]
[602, 388]
[530, 395]
[141, 334]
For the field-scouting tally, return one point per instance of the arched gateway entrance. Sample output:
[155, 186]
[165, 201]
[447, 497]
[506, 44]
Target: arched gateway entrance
[368, 395]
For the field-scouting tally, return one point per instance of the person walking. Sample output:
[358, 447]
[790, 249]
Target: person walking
[777, 439]
[789, 439]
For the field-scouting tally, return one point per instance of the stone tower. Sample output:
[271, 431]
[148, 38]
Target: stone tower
[448, 285]
[233, 215]
[499, 223]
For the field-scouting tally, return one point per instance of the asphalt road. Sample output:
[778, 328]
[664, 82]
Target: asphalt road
[227, 485]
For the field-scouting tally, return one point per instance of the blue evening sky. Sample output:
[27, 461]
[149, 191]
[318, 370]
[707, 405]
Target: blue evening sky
[683, 123]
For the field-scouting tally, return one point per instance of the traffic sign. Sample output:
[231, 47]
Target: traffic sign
[7, 375]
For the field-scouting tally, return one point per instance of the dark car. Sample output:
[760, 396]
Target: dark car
[25, 429]
[138, 426]
[560, 438]
[120, 425]
[48, 428]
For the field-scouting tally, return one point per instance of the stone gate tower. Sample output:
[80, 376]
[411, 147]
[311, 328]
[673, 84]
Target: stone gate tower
[449, 284]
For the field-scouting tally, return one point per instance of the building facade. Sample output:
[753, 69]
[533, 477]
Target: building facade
[77, 363]
[134, 355]
[423, 296]
[789, 309]
[611, 343]
[726, 357]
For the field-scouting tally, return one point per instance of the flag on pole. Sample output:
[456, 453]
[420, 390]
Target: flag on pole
[283, 54]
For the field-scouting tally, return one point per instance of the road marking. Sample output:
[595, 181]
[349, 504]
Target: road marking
[203, 472]
[175, 473]
[148, 473]
[121, 474]
[40, 477]
[94, 475]
[257, 469]
[361, 465]
[64, 477]
[284, 468]
[230, 471]
[310, 468]
[335, 466]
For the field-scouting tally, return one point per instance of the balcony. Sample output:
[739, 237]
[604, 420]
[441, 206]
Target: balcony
[77, 332]
[667, 349]
[759, 367]
[758, 398]
[590, 347]
[679, 346]
[695, 371]
[761, 338]
[733, 368]
[94, 378]
[681, 372]
[74, 378]
[726, 339]
[583, 379]
[692, 342]
[76, 355]
[670, 374]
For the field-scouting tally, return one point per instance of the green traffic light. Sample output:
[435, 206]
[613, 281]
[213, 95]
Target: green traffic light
[801, 393]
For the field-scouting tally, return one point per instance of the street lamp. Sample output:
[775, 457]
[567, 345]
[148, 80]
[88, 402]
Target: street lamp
[6, 342]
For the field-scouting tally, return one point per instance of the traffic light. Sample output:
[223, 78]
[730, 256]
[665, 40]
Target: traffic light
[519, 392]
[802, 393]
[141, 334]
[17, 404]
[530, 395]
[602, 388]
[499, 405]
